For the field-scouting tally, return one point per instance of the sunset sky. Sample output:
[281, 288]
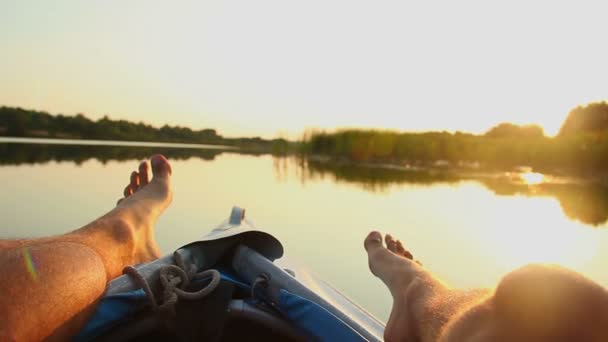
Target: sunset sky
[269, 67]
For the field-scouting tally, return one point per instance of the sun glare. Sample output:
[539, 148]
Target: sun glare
[532, 178]
[539, 233]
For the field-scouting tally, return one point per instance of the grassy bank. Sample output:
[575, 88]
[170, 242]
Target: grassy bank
[581, 153]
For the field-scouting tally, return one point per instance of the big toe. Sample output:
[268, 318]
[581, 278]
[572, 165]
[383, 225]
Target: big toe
[380, 259]
[373, 241]
[160, 166]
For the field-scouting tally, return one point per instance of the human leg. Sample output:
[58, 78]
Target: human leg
[50, 284]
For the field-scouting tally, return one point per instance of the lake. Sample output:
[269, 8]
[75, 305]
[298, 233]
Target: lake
[469, 228]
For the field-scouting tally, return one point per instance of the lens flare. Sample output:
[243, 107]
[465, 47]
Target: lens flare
[29, 263]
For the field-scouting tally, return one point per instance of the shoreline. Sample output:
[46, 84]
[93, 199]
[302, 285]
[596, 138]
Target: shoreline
[96, 142]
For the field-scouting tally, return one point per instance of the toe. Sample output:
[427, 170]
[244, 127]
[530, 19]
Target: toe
[390, 243]
[134, 182]
[402, 251]
[144, 177]
[128, 191]
[160, 166]
[373, 241]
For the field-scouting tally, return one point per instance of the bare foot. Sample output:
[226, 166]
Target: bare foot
[145, 198]
[125, 235]
[413, 289]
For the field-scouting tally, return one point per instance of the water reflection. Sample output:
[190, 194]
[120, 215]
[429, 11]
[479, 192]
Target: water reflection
[584, 202]
[581, 201]
[17, 153]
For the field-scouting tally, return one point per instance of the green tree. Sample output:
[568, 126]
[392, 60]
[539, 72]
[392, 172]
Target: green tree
[509, 130]
[592, 118]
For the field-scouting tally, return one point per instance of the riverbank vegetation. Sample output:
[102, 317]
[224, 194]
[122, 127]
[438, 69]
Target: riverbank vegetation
[19, 122]
[581, 146]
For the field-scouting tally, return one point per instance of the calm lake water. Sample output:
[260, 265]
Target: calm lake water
[469, 229]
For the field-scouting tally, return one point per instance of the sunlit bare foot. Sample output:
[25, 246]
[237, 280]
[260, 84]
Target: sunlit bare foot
[145, 198]
[412, 287]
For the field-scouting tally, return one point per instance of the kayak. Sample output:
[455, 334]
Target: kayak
[233, 284]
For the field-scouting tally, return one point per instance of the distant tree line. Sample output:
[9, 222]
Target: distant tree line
[19, 122]
[581, 146]
[590, 119]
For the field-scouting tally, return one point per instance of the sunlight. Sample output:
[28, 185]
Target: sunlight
[534, 230]
[532, 178]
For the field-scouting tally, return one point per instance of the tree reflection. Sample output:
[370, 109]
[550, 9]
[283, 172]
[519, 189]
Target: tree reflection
[16, 154]
[587, 203]
[584, 202]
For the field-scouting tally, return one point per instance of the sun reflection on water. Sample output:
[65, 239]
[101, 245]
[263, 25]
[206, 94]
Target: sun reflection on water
[532, 178]
[534, 231]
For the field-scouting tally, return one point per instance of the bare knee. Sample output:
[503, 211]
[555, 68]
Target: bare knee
[542, 301]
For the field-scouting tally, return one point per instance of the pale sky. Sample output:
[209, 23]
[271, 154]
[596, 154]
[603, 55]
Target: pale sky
[257, 67]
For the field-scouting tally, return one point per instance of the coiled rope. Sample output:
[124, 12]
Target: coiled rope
[174, 280]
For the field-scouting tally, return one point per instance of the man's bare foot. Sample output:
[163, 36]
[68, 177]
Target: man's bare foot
[145, 198]
[413, 289]
[125, 235]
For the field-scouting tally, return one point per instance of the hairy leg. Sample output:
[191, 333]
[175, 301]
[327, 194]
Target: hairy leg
[422, 304]
[536, 303]
[50, 285]
[533, 303]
